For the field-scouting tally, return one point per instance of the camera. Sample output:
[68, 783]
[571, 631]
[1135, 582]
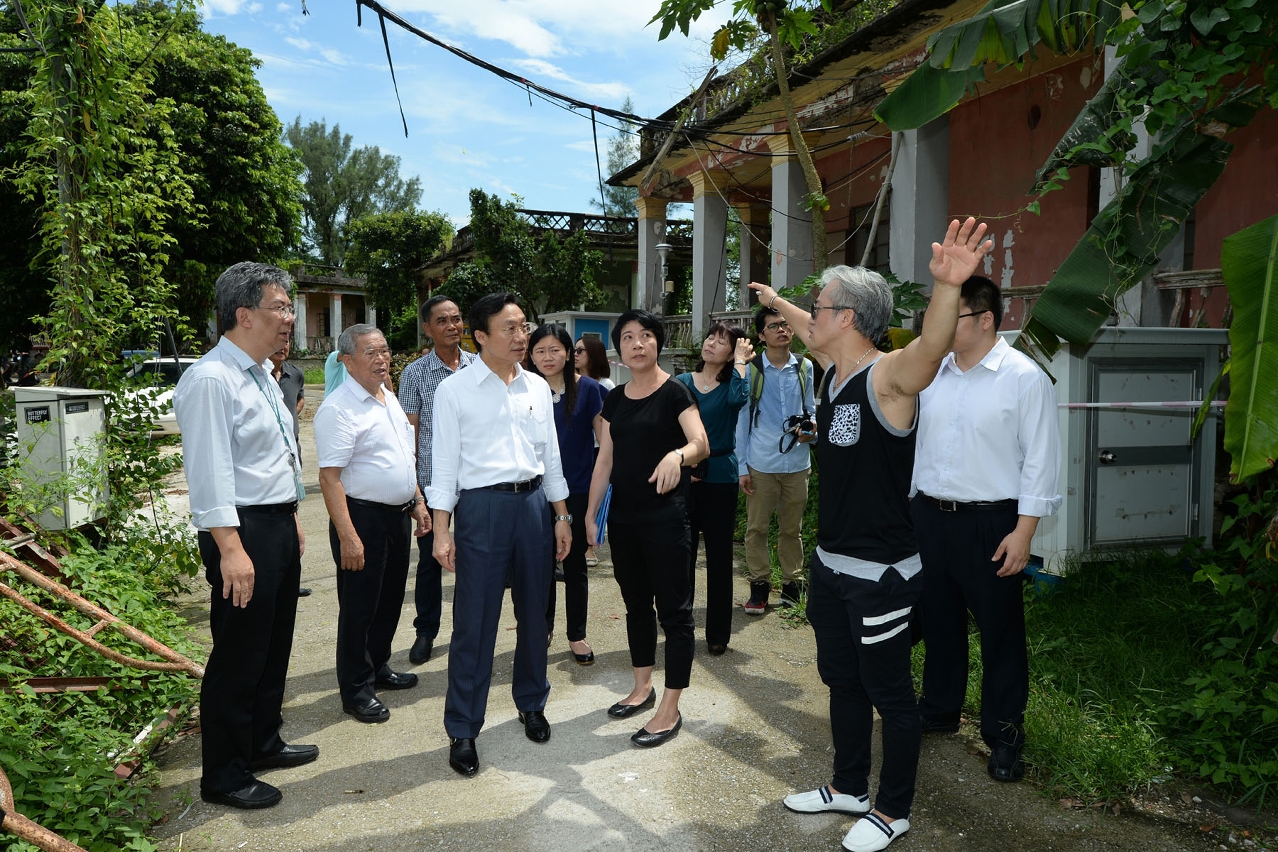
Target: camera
[800, 425]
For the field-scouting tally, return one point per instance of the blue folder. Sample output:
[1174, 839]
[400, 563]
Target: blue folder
[601, 517]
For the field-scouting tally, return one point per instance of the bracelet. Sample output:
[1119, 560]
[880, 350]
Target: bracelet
[772, 300]
[741, 363]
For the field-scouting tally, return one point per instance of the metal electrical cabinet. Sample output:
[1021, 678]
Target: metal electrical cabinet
[60, 432]
[1131, 474]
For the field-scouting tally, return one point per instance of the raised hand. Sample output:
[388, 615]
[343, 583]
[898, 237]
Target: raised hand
[955, 259]
[745, 350]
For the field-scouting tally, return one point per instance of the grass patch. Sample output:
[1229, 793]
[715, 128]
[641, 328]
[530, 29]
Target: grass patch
[315, 376]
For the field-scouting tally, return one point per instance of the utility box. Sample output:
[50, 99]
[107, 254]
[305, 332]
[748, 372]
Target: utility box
[60, 433]
[1132, 472]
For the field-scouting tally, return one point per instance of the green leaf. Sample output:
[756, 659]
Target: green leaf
[1249, 262]
[1204, 20]
[926, 94]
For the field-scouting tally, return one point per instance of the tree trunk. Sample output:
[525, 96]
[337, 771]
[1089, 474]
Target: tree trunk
[820, 255]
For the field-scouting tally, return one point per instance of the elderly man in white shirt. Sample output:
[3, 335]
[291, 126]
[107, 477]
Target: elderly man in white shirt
[986, 470]
[367, 460]
[243, 478]
[495, 460]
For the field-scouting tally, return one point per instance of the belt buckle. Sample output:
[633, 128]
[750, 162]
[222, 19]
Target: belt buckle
[522, 486]
[947, 505]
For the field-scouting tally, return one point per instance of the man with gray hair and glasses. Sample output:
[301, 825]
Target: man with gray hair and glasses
[368, 473]
[244, 482]
[865, 572]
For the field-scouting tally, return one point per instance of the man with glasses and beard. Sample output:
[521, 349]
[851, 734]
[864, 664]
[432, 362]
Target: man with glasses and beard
[495, 464]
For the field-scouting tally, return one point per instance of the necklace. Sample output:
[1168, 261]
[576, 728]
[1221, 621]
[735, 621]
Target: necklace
[859, 360]
[706, 387]
[556, 395]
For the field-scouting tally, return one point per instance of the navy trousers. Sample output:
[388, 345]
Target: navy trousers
[369, 601]
[960, 577]
[243, 686]
[498, 535]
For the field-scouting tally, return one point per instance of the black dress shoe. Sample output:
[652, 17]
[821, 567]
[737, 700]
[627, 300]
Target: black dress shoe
[1005, 764]
[396, 680]
[536, 728]
[716, 649]
[625, 711]
[370, 711]
[258, 794]
[290, 755]
[462, 755]
[423, 647]
[937, 726]
[586, 659]
[646, 739]
[303, 592]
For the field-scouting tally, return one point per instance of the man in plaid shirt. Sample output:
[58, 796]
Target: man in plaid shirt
[442, 321]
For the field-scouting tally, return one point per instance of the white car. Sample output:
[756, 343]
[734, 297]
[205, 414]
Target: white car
[167, 372]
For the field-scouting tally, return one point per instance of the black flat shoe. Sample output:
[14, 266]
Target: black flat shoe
[586, 659]
[647, 739]
[396, 680]
[936, 726]
[257, 794]
[423, 647]
[371, 711]
[1005, 764]
[536, 728]
[716, 649]
[290, 755]
[625, 711]
[462, 755]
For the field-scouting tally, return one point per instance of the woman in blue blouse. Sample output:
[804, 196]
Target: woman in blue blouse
[720, 387]
[578, 401]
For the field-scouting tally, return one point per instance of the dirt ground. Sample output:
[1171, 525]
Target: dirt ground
[755, 729]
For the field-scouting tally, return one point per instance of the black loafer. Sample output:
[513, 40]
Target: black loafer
[423, 647]
[937, 726]
[290, 755]
[370, 711]
[1005, 764]
[462, 755]
[646, 739]
[303, 592]
[625, 711]
[257, 794]
[716, 649]
[536, 728]
[396, 680]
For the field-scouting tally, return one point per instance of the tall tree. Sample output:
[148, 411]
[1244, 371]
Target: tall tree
[623, 149]
[387, 249]
[342, 185]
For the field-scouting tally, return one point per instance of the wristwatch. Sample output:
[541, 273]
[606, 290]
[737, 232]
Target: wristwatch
[567, 518]
[679, 450]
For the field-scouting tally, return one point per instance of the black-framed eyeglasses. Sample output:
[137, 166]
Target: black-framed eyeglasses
[776, 326]
[972, 314]
[816, 309]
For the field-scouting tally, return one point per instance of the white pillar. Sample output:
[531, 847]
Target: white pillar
[335, 316]
[791, 223]
[709, 248]
[920, 200]
[370, 313]
[652, 230]
[755, 238]
[299, 321]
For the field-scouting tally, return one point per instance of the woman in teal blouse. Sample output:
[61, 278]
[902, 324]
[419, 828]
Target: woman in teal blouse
[720, 387]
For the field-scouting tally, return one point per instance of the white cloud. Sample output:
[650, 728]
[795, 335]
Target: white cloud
[540, 70]
[299, 43]
[333, 57]
[223, 7]
[284, 7]
[254, 8]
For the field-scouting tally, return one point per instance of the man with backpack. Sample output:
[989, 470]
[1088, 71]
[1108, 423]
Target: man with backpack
[773, 433]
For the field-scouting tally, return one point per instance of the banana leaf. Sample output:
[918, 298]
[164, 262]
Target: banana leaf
[1004, 32]
[1123, 242]
[1249, 262]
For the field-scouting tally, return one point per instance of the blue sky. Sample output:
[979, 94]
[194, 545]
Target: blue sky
[466, 127]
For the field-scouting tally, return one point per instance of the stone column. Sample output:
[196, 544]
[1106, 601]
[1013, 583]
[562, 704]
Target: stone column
[650, 290]
[920, 200]
[756, 234]
[335, 316]
[791, 223]
[299, 321]
[370, 312]
[709, 248]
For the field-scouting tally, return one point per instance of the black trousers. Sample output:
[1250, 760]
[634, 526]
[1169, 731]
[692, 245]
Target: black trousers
[369, 601]
[243, 686]
[650, 563]
[712, 514]
[576, 583]
[498, 535]
[428, 588]
[862, 631]
[959, 577]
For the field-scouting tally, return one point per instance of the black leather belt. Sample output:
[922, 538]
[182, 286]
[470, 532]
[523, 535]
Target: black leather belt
[974, 506]
[269, 509]
[514, 487]
[398, 508]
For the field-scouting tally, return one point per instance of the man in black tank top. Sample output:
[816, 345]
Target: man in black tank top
[865, 573]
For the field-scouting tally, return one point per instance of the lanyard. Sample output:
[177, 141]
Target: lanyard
[292, 456]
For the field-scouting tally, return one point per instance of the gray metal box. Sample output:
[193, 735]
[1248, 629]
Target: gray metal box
[60, 432]
[1131, 474]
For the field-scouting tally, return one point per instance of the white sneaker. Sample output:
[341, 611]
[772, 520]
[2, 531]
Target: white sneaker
[872, 833]
[822, 800]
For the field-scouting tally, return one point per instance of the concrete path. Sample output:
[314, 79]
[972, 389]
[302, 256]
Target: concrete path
[755, 729]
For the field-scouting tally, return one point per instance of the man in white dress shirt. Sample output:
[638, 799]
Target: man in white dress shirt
[986, 470]
[367, 461]
[495, 460]
[243, 478]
